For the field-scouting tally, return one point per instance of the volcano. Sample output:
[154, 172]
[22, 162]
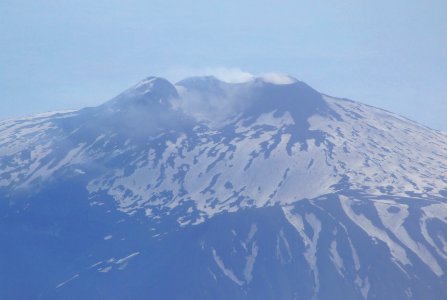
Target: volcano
[205, 189]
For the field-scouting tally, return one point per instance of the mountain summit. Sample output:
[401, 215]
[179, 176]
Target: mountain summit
[204, 189]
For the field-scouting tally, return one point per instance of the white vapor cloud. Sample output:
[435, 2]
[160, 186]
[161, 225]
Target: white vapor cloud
[277, 78]
[230, 75]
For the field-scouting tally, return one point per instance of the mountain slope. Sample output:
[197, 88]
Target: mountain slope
[206, 189]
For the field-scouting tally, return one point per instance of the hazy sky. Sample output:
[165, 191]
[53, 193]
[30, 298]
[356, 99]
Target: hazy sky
[69, 54]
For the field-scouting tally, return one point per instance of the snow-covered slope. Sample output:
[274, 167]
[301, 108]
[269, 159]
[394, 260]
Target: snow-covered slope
[356, 188]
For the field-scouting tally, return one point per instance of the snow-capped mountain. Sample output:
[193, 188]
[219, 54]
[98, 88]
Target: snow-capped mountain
[265, 189]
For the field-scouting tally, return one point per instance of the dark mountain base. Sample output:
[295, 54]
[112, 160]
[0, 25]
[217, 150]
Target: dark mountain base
[62, 246]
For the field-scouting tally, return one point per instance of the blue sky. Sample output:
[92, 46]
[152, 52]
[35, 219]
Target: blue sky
[70, 54]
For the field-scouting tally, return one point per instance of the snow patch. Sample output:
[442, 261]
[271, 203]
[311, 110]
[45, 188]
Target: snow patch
[226, 271]
[336, 258]
[67, 281]
[366, 225]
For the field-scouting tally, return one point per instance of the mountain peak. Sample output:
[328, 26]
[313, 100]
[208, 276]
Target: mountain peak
[148, 92]
[207, 96]
[150, 84]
